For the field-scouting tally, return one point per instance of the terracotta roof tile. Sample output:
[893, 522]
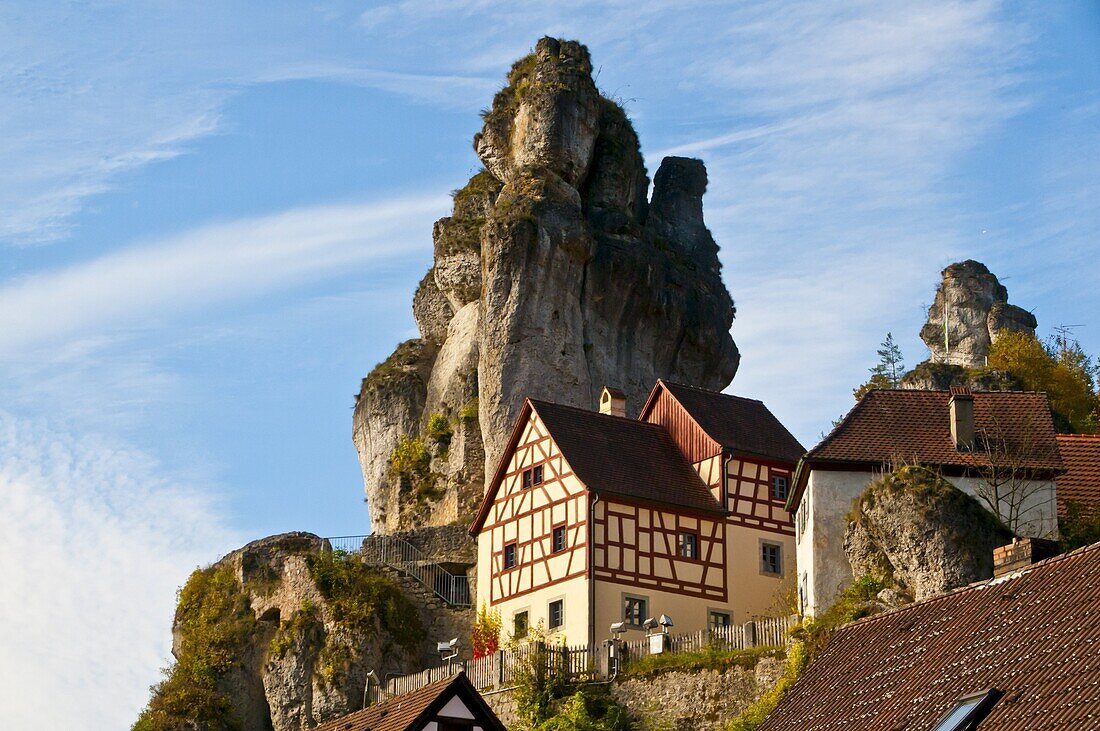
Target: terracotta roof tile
[1033, 634]
[1081, 482]
[402, 712]
[625, 457]
[741, 425]
[915, 425]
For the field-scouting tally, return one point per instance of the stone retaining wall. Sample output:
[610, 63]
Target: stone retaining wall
[703, 700]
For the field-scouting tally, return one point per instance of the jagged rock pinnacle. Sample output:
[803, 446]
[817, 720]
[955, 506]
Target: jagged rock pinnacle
[553, 277]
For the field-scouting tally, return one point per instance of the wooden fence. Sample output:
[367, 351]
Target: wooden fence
[583, 663]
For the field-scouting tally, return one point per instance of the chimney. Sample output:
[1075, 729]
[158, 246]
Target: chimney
[612, 401]
[961, 407]
[1021, 553]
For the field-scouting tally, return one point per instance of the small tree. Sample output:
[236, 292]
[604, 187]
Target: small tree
[1060, 368]
[486, 635]
[889, 370]
[1014, 473]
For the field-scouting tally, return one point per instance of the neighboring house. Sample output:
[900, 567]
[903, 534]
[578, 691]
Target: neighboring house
[1081, 482]
[1018, 652]
[973, 439]
[595, 518]
[451, 704]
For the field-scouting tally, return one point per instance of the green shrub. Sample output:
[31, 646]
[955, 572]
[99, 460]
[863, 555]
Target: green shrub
[540, 678]
[588, 710]
[439, 429]
[469, 409]
[215, 622]
[362, 598]
[303, 621]
[410, 458]
[1080, 526]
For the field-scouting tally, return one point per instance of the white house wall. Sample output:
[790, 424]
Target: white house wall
[823, 567]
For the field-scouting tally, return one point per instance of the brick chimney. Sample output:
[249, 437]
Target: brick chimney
[612, 401]
[1021, 553]
[961, 408]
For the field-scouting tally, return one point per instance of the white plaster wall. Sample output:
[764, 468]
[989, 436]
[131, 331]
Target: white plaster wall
[820, 553]
[1039, 516]
[828, 499]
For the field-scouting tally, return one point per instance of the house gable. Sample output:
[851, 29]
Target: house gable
[534, 493]
[423, 709]
[664, 409]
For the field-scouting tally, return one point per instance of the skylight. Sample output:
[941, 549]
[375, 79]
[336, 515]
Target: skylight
[969, 711]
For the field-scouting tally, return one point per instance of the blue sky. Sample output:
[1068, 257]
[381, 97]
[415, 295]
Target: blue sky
[213, 216]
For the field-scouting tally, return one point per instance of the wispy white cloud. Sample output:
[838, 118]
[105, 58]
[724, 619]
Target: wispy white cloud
[142, 285]
[92, 91]
[94, 541]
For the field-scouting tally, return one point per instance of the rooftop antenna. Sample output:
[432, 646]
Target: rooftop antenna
[1063, 332]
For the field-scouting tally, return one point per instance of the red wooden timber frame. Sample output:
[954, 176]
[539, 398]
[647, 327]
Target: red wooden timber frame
[743, 509]
[664, 527]
[514, 508]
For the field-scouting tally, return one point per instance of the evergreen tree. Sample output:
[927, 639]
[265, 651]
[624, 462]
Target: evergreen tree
[889, 370]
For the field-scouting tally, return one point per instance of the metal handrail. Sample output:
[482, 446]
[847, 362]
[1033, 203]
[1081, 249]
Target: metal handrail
[402, 556]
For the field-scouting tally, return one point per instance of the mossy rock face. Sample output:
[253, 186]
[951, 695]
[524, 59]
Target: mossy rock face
[280, 634]
[915, 528]
[932, 376]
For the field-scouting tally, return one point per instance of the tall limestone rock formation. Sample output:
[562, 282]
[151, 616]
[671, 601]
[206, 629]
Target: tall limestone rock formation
[974, 306]
[553, 277]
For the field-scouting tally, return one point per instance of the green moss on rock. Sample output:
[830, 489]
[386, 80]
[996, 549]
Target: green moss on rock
[215, 623]
[363, 599]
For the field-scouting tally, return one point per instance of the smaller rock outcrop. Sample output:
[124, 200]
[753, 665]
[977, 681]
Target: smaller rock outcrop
[916, 531]
[969, 311]
[931, 376]
[279, 635]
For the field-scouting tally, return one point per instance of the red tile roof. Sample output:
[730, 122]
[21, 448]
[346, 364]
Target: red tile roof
[1081, 482]
[742, 426]
[412, 711]
[614, 455]
[1032, 634]
[914, 425]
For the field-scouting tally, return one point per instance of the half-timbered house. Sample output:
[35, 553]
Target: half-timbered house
[594, 518]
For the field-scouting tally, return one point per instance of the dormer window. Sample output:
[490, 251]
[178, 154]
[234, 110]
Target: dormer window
[969, 711]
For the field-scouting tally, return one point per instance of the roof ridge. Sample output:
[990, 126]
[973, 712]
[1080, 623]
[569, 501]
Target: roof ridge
[537, 402]
[977, 585]
[1086, 437]
[712, 393]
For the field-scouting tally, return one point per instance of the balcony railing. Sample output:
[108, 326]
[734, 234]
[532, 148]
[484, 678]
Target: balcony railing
[405, 558]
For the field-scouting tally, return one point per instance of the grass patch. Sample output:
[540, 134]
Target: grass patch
[713, 657]
[215, 622]
[752, 717]
[362, 598]
[407, 355]
[809, 640]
